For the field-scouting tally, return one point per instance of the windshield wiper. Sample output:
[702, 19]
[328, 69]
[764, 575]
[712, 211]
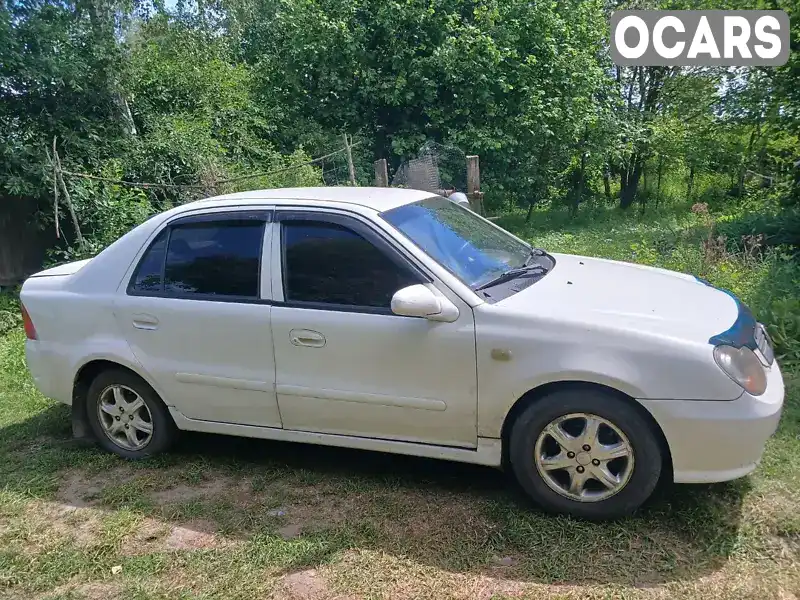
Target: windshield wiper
[513, 274]
[535, 253]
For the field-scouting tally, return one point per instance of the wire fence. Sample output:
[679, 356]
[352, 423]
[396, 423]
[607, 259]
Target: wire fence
[336, 168]
[436, 167]
[331, 173]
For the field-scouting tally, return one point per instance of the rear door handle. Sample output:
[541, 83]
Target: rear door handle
[306, 337]
[147, 322]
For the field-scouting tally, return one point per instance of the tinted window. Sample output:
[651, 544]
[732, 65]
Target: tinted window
[332, 264]
[148, 273]
[218, 258]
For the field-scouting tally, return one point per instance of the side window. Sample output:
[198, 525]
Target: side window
[219, 258]
[211, 258]
[148, 276]
[331, 264]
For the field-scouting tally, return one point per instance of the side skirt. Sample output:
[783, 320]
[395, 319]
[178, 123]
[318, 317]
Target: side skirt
[488, 452]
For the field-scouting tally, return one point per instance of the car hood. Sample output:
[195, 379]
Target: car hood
[605, 294]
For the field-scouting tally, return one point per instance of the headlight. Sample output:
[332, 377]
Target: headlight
[743, 366]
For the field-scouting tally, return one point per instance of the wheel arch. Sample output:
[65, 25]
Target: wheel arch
[536, 394]
[84, 376]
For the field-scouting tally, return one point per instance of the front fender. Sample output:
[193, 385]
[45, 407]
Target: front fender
[577, 376]
[496, 402]
[639, 367]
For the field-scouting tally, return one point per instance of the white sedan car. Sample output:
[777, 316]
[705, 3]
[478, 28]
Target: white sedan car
[396, 320]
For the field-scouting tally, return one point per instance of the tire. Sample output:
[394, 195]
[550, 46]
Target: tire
[638, 472]
[163, 432]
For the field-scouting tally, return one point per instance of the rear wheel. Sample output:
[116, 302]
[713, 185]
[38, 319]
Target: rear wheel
[585, 453]
[127, 416]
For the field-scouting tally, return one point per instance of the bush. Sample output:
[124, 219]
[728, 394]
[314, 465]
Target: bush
[106, 212]
[777, 228]
[10, 316]
[783, 323]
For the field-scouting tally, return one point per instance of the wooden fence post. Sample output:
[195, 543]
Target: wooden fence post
[64, 190]
[474, 184]
[381, 173]
[55, 189]
[350, 167]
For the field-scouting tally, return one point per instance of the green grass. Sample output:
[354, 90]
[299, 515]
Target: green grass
[236, 518]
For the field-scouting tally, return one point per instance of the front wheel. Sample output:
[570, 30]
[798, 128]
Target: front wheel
[585, 453]
[127, 416]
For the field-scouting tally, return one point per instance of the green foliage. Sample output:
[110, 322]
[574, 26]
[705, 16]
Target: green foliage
[195, 96]
[510, 81]
[783, 318]
[106, 211]
[192, 105]
[773, 227]
[58, 66]
[10, 316]
[305, 176]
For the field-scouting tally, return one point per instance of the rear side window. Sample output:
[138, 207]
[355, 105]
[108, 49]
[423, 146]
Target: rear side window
[213, 258]
[148, 277]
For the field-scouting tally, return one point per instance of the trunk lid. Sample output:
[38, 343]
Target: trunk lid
[62, 270]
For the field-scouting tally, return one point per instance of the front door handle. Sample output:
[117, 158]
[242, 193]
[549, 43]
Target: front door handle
[147, 322]
[306, 337]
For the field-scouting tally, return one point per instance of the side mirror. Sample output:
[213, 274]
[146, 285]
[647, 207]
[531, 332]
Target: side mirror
[420, 301]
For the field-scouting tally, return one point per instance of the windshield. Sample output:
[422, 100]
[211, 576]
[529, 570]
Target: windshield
[472, 249]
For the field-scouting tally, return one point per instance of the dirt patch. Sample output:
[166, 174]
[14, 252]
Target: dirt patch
[429, 524]
[79, 491]
[98, 591]
[83, 525]
[308, 585]
[485, 588]
[45, 521]
[290, 531]
[212, 487]
[309, 508]
[504, 561]
[195, 535]
[243, 494]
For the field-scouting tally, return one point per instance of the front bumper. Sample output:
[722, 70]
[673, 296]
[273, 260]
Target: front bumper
[714, 441]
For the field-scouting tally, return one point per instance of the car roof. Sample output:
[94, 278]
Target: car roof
[376, 198]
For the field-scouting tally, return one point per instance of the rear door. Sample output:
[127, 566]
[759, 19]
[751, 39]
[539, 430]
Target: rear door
[196, 315]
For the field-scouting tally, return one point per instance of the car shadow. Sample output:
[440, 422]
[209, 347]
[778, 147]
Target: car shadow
[458, 517]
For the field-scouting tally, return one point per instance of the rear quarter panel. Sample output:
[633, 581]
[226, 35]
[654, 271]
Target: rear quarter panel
[72, 330]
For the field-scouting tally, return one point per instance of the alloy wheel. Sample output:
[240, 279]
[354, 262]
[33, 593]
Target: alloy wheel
[584, 457]
[125, 417]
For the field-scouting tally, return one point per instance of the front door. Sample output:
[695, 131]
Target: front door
[195, 319]
[345, 364]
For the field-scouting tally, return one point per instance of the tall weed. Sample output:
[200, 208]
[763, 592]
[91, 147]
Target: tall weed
[10, 316]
